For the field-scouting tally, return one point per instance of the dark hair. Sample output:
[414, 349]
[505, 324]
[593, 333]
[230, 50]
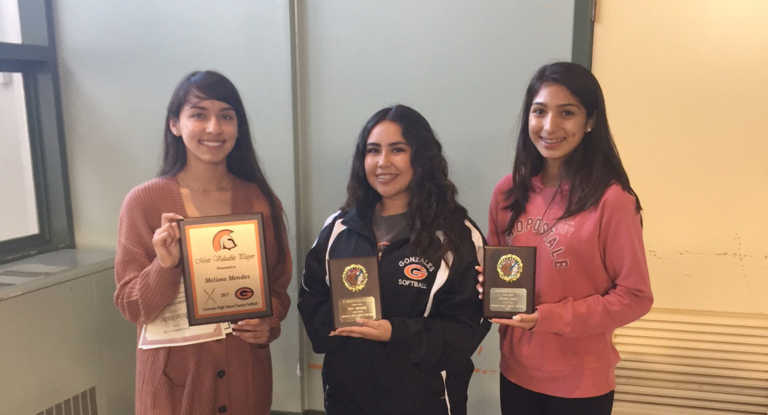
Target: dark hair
[241, 161]
[592, 166]
[432, 206]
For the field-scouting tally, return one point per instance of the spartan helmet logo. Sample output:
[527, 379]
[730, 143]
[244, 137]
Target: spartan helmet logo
[223, 240]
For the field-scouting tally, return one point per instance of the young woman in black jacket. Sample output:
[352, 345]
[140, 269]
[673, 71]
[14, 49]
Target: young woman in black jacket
[402, 208]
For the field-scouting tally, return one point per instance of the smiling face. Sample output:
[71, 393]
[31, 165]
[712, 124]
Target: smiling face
[388, 165]
[557, 123]
[208, 128]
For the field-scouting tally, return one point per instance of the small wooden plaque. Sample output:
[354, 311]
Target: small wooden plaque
[355, 291]
[509, 281]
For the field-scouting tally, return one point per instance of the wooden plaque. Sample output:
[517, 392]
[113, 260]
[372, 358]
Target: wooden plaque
[509, 281]
[355, 291]
[225, 273]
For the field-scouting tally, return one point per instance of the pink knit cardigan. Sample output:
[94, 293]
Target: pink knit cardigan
[225, 376]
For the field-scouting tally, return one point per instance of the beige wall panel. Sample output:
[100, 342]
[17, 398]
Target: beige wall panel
[686, 86]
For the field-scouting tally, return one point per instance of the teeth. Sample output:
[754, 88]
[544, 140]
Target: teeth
[559, 140]
[211, 143]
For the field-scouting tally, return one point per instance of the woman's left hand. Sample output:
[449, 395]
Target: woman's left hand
[376, 330]
[254, 330]
[523, 321]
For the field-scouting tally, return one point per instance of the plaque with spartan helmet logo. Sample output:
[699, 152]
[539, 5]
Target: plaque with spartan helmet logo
[224, 266]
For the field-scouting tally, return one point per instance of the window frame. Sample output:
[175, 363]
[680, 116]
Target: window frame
[584, 15]
[38, 66]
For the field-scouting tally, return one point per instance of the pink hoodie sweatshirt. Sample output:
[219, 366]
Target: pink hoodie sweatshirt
[591, 277]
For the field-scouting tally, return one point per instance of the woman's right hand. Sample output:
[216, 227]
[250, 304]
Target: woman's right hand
[166, 240]
[479, 285]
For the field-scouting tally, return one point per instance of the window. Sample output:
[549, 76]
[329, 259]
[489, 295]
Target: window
[35, 213]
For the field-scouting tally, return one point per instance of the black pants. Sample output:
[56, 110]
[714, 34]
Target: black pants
[349, 404]
[516, 400]
[457, 383]
[349, 407]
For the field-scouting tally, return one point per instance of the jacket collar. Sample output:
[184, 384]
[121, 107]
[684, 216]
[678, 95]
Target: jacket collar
[360, 219]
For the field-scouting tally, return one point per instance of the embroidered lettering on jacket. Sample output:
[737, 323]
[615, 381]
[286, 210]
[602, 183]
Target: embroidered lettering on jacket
[415, 268]
[416, 260]
[411, 283]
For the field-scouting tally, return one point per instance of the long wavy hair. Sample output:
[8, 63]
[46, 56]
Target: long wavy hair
[590, 168]
[432, 205]
[241, 161]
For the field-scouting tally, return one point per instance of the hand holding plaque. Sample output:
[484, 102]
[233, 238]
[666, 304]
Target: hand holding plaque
[355, 293]
[509, 281]
[225, 274]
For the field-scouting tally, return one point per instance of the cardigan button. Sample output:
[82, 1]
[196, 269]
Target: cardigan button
[221, 373]
[222, 409]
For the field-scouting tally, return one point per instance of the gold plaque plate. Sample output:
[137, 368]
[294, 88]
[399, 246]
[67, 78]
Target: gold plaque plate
[225, 276]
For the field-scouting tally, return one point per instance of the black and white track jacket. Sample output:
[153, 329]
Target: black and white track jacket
[436, 321]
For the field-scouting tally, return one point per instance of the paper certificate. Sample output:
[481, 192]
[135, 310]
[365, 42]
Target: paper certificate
[171, 328]
[224, 268]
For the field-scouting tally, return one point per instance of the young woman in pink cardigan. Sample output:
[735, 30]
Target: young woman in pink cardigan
[209, 168]
[569, 196]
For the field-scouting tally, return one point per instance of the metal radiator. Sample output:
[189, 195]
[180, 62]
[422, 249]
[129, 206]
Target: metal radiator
[83, 403]
[692, 363]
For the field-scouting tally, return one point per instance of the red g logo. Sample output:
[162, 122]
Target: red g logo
[415, 272]
[244, 293]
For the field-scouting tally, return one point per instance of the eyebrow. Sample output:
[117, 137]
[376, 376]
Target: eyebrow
[198, 107]
[396, 143]
[559, 106]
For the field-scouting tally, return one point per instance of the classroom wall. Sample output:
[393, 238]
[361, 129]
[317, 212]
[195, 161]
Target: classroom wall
[685, 84]
[119, 62]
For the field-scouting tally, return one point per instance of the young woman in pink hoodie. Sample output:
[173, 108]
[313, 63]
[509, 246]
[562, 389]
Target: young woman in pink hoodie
[569, 196]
